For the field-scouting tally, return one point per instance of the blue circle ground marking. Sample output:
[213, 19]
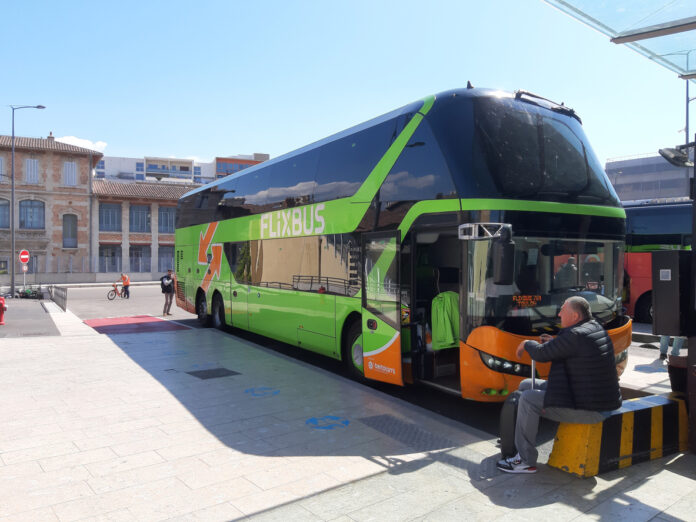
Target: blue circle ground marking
[262, 391]
[327, 422]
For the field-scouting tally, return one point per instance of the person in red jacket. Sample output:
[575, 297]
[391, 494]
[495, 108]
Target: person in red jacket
[125, 280]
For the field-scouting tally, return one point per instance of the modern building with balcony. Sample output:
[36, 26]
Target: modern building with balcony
[154, 169]
[224, 166]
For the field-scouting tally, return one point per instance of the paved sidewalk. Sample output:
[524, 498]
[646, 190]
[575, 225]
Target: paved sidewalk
[200, 425]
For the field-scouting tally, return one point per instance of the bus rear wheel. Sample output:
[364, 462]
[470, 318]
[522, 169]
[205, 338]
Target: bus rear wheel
[353, 352]
[218, 314]
[202, 311]
[643, 310]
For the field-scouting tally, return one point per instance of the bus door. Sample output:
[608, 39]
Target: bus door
[381, 307]
[239, 260]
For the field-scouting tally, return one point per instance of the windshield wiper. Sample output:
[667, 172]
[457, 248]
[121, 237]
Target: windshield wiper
[555, 107]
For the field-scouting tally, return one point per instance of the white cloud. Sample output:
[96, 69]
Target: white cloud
[80, 142]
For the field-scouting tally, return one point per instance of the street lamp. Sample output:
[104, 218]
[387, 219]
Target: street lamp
[12, 198]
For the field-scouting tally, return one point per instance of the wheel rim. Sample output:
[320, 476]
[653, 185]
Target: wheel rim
[356, 354]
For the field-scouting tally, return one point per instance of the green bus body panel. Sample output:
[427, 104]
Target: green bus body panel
[653, 248]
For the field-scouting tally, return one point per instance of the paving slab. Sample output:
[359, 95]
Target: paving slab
[197, 424]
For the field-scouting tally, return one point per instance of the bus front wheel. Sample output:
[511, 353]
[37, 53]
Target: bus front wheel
[353, 352]
[643, 310]
[218, 314]
[202, 311]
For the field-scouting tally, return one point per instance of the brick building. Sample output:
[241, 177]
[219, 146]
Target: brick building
[52, 204]
[135, 224]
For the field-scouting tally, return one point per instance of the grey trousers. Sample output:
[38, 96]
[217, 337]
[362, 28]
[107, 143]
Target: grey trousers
[168, 298]
[531, 407]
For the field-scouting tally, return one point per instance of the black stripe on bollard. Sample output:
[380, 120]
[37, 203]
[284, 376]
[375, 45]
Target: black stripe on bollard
[610, 447]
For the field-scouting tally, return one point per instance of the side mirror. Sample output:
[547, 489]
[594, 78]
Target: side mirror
[503, 258]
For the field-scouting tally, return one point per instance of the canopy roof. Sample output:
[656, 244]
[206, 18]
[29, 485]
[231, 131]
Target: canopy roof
[662, 30]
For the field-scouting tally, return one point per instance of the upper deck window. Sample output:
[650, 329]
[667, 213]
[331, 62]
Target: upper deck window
[506, 148]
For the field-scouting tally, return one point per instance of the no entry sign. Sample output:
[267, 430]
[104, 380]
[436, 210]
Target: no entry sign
[24, 256]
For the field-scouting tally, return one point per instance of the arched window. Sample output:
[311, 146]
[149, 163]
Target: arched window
[4, 213]
[31, 214]
[69, 231]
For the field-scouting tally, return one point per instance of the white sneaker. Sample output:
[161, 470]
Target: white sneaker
[515, 465]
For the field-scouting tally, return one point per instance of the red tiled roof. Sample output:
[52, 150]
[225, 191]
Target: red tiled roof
[140, 190]
[44, 144]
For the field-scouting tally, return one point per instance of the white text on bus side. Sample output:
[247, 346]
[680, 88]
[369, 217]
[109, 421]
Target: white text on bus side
[293, 222]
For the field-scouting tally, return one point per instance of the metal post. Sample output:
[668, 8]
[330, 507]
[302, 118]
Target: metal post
[12, 215]
[12, 197]
[691, 350]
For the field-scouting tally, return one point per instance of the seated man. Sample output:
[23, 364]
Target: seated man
[582, 381]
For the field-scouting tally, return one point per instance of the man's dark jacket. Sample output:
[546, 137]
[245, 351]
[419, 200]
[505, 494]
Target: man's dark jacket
[583, 370]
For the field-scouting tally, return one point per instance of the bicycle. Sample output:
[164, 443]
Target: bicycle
[111, 295]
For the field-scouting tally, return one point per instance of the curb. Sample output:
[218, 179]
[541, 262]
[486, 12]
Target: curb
[645, 338]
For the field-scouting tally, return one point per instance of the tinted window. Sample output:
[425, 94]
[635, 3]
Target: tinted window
[345, 163]
[253, 188]
[420, 172]
[501, 147]
[660, 225]
[292, 181]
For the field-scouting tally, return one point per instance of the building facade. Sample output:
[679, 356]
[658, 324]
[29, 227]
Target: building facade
[135, 224]
[87, 217]
[647, 177]
[52, 204]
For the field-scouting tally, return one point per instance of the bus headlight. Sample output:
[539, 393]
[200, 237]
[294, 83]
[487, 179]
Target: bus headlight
[501, 365]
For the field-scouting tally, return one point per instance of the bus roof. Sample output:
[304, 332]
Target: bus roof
[522, 96]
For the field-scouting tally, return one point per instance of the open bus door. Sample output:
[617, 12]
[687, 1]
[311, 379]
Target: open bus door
[381, 307]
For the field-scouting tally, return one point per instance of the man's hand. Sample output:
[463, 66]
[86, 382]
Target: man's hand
[545, 338]
[520, 349]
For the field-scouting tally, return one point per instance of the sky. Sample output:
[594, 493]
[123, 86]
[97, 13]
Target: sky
[214, 78]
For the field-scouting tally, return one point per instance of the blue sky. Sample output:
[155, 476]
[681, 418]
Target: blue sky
[205, 79]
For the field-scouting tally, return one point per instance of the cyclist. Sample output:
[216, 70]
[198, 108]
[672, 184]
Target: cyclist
[125, 281]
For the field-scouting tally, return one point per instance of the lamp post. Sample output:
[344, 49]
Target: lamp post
[12, 197]
[679, 157]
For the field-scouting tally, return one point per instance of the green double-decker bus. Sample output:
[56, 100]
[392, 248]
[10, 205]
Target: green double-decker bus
[420, 246]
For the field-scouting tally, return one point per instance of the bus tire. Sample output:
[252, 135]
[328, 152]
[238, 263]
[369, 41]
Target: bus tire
[643, 309]
[202, 310]
[218, 312]
[352, 351]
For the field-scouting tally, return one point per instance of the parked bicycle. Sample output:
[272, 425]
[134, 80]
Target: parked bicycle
[111, 295]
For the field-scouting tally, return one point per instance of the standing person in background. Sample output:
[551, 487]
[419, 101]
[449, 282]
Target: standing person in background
[676, 345]
[167, 284]
[125, 280]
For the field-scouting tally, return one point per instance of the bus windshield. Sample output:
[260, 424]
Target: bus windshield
[547, 272]
[501, 147]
